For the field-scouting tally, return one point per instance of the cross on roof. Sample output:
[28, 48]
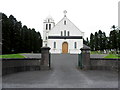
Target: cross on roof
[64, 13]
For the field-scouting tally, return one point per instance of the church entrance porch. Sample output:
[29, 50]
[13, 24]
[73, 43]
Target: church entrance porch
[65, 47]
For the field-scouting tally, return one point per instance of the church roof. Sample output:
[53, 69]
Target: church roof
[68, 26]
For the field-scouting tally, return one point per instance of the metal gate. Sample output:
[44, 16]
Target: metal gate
[49, 60]
[80, 61]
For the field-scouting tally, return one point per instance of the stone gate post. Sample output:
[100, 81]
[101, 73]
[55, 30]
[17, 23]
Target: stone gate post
[45, 58]
[85, 51]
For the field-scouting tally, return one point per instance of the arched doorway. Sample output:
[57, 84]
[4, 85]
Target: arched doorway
[65, 47]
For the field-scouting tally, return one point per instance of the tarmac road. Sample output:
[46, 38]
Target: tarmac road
[64, 74]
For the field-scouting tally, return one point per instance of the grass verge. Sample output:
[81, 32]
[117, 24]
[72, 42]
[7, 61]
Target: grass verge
[96, 52]
[12, 56]
[112, 56]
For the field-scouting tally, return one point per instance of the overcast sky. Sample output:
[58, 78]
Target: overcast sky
[88, 15]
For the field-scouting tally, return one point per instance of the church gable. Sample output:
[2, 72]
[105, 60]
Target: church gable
[65, 28]
[64, 37]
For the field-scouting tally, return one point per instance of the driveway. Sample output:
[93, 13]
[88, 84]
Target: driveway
[64, 74]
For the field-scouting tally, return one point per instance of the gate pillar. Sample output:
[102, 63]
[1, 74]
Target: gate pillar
[45, 58]
[85, 54]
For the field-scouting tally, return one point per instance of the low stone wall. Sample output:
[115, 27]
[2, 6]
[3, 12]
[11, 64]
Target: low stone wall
[20, 64]
[104, 64]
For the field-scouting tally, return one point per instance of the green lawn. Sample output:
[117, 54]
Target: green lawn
[112, 56]
[12, 56]
[95, 52]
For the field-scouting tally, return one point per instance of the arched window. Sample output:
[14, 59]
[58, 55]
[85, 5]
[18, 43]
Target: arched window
[61, 33]
[68, 33]
[46, 45]
[46, 38]
[75, 45]
[64, 32]
[49, 26]
[64, 22]
[54, 44]
[46, 26]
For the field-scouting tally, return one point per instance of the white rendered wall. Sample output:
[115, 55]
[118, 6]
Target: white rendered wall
[47, 21]
[56, 31]
[71, 47]
[74, 31]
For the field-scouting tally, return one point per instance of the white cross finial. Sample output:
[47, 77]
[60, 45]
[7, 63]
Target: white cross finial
[64, 13]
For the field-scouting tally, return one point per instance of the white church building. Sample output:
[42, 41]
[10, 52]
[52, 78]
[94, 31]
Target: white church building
[63, 37]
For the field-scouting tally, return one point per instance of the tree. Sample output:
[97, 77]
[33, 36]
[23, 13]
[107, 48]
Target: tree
[104, 41]
[100, 40]
[86, 42]
[5, 35]
[108, 45]
[18, 39]
[118, 40]
[96, 41]
[113, 40]
[92, 41]
[113, 27]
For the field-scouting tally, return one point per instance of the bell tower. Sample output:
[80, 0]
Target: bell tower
[48, 24]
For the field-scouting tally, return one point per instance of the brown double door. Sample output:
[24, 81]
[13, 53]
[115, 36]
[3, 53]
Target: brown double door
[65, 47]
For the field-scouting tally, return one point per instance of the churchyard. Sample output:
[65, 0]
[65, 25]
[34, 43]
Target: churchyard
[61, 59]
[107, 55]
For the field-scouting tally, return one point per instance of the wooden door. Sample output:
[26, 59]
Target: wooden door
[65, 47]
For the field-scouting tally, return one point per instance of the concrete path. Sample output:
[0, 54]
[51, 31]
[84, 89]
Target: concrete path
[64, 74]
[32, 55]
[98, 55]
[38, 55]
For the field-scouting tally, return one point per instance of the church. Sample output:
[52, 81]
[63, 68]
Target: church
[63, 37]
